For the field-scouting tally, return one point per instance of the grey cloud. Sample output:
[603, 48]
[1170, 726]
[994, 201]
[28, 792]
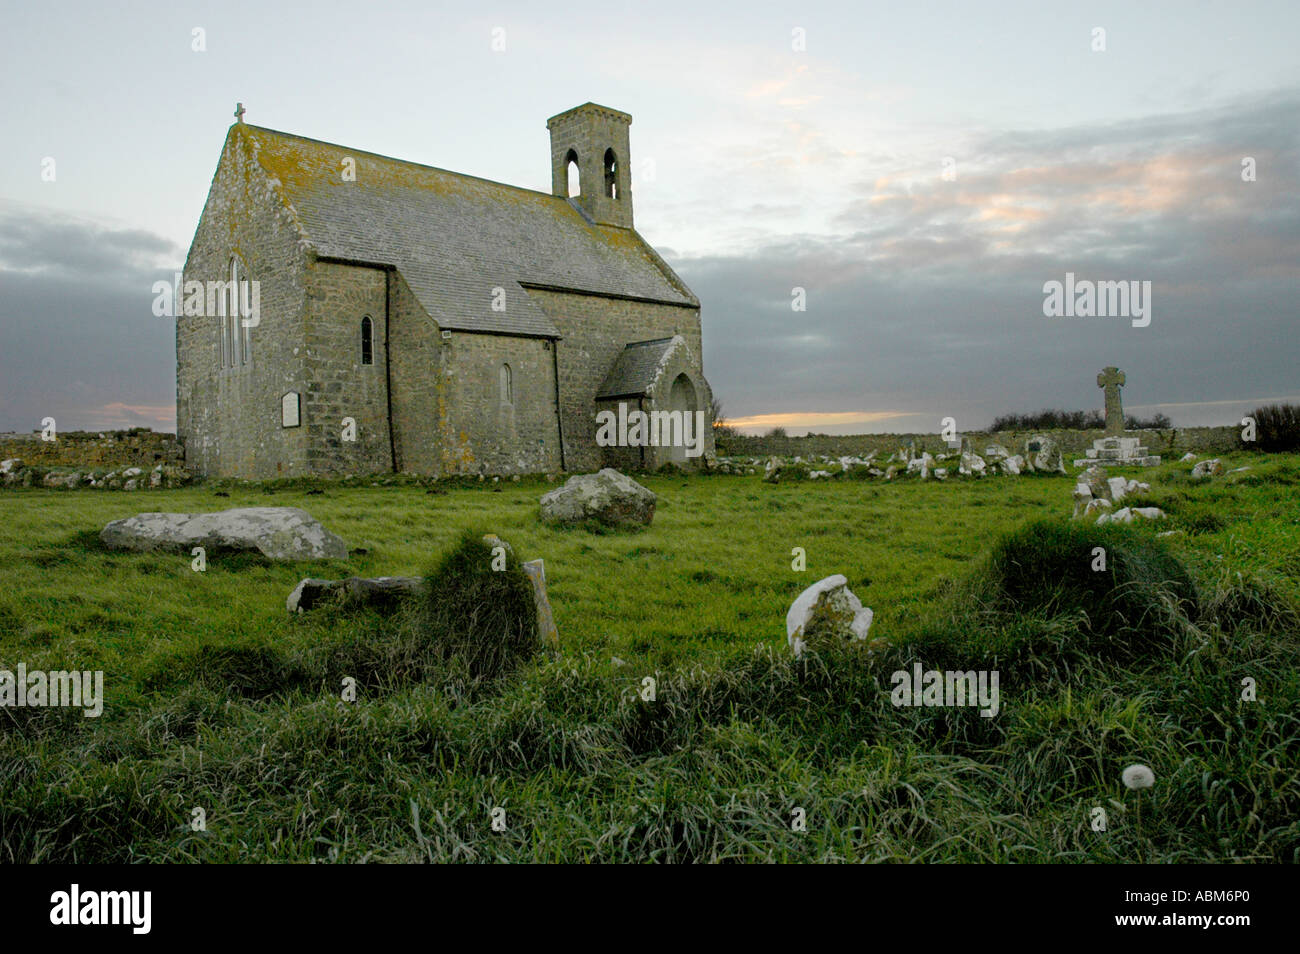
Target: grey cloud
[917, 309]
[77, 333]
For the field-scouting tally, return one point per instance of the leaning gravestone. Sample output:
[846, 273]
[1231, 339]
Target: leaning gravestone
[827, 611]
[1043, 455]
[608, 497]
[1114, 449]
[545, 618]
[278, 533]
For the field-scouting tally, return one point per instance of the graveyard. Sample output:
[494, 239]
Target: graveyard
[725, 433]
[671, 722]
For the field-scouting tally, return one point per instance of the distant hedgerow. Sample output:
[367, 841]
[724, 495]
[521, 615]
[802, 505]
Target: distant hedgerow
[1049, 419]
[1157, 422]
[1277, 428]
[1052, 419]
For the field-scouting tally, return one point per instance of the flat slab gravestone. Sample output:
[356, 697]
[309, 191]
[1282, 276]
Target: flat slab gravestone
[278, 533]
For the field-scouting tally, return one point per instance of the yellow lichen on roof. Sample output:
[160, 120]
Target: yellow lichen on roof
[451, 234]
[301, 162]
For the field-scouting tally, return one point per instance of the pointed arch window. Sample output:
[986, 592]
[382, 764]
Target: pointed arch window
[233, 313]
[574, 176]
[245, 331]
[367, 340]
[507, 385]
[227, 305]
[236, 334]
[611, 174]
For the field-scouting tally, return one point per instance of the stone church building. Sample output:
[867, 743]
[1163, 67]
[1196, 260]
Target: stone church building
[416, 320]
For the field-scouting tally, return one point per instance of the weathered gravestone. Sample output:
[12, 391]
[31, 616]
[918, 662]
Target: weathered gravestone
[279, 533]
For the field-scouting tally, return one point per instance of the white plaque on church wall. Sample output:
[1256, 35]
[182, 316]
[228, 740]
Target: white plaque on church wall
[289, 416]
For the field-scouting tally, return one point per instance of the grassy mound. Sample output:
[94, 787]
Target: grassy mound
[483, 617]
[1044, 592]
[1054, 568]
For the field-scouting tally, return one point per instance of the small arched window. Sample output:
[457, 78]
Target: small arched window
[243, 314]
[574, 177]
[236, 334]
[507, 385]
[367, 340]
[234, 312]
[611, 174]
[229, 302]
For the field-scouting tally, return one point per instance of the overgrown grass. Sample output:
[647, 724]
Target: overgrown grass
[218, 699]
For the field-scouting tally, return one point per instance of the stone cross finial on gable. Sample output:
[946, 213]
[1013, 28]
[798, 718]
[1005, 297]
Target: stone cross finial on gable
[1111, 380]
[239, 112]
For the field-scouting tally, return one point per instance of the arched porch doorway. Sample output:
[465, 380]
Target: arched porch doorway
[681, 397]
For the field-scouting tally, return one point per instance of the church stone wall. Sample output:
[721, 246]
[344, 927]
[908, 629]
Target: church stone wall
[418, 382]
[594, 331]
[338, 385]
[229, 418]
[490, 434]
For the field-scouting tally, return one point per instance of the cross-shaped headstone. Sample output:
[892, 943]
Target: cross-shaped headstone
[239, 112]
[1111, 380]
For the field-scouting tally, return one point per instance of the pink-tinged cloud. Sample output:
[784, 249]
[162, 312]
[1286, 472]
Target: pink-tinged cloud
[802, 420]
[117, 416]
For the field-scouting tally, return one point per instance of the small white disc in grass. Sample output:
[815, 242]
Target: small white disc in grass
[1138, 776]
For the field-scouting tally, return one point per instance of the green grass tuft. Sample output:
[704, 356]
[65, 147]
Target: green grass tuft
[483, 617]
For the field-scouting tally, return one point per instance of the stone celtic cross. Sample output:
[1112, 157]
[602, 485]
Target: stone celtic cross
[1111, 380]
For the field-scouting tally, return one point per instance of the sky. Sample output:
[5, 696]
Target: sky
[913, 174]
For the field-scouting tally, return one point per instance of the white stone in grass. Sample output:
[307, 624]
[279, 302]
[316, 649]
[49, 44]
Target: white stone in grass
[1043, 455]
[1128, 515]
[1117, 488]
[921, 465]
[1207, 468]
[609, 497]
[826, 610]
[971, 464]
[1082, 497]
[1098, 505]
[1012, 465]
[1187, 458]
[279, 533]
[1123, 515]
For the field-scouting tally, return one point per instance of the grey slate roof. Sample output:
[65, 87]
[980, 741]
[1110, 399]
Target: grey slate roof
[636, 369]
[455, 237]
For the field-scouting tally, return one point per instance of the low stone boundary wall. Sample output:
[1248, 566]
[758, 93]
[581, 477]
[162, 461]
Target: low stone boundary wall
[1173, 441]
[94, 450]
